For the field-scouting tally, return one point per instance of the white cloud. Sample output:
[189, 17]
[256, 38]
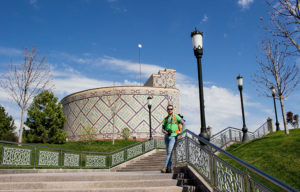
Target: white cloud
[204, 19]
[128, 66]
[74, 59]
[33, 3]
[222, 107]
[4, 96]
[70, 81]
[245, 3]
[73, 83]
[10, 51]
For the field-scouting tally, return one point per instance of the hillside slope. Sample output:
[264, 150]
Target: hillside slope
[276, 154]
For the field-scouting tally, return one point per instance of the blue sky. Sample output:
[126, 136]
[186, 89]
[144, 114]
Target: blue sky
[94, 43]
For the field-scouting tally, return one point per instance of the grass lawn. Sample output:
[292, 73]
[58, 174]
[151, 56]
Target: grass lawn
[94, 146]
[276, 154]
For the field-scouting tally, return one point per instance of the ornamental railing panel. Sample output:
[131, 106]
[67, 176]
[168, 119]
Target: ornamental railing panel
[71, 160]
[199, 158]
[16, 156]
[228, 178]
[199, 154]
[160, 144]
[149, 145]
[134, 151]
[181, 150]
[95, 161]
[258, 187]
[117, 158]
[48, 158]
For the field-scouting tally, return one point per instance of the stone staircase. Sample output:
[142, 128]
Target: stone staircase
[89, 181]
[142, 175]
[153, 162]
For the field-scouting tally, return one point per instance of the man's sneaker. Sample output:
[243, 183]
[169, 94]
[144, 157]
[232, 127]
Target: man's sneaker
[163, 170]
[169, 170]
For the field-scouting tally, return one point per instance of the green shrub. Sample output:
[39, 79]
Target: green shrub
[125, 133]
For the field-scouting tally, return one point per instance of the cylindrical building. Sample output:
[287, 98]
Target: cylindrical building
[111, 109]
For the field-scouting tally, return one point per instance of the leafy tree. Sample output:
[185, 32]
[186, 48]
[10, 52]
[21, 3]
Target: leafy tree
[7, 126]
[45, 120]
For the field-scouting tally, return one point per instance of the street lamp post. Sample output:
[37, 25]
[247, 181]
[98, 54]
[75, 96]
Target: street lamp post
[149, 99]
[198, 52]
[244, 129]
[273, 94]
[140, 46]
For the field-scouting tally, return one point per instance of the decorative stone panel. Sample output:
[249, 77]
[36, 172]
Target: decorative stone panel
[117, 158]
[16, 156]
[71, 160]
[149, 145]
[95, 161]
[48, 158]
[134, 151]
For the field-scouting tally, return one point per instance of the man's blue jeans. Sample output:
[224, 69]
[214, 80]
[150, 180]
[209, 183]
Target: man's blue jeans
[170, 142]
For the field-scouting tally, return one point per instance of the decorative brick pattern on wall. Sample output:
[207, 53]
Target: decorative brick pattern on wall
[123, 107]
[165, 79]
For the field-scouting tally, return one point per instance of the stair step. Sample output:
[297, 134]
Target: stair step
[136, 189]
[101, 176]
[88, 184]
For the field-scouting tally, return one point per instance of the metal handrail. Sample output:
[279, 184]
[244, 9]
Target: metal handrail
[49, 147]
[260, 127]
[244, 164]
[224, 130]
[231, 134]
[56, 148]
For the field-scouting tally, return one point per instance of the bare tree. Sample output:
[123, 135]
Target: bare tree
[274, 70]
[114, 102]
[25, 80]
[285, 23]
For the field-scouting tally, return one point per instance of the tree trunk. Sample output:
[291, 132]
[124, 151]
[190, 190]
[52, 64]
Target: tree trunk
[283, 116]
[21, 125]
[113, 134]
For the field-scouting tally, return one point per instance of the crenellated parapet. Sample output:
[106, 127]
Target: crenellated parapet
[164, 79]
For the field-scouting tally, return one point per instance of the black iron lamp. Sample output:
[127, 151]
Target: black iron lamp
[244, 129]
[198, 52]
[273, 94]
[149, 99]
